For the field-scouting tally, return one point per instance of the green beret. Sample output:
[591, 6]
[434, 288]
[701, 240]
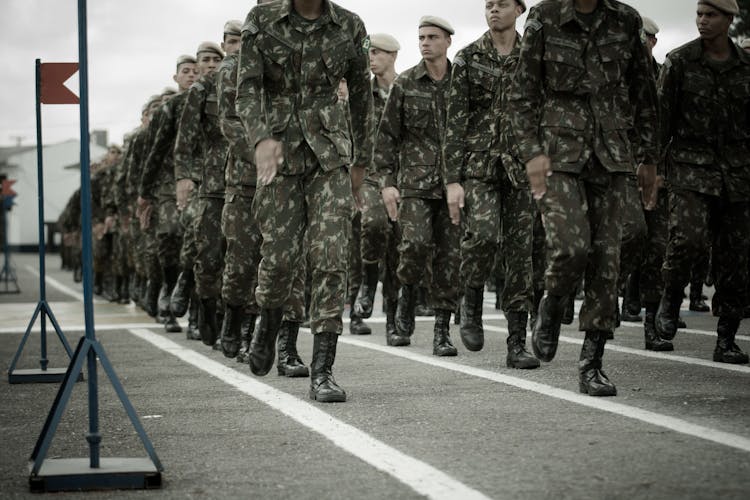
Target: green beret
[438, 22]
[184, 58]
[726, 6]
[384, 42]
[210, 47]
[233, 27]
[649, 26]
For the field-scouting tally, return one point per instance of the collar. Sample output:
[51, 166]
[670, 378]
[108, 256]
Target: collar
[694, 51]
[420, 71]
[568, 10]
[286, 6]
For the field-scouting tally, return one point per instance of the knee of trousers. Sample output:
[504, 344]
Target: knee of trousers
[565, 267]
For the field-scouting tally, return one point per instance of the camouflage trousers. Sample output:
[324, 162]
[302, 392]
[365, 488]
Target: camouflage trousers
[538, 253]
[650, 282]
[427, 235]
[243, 250]
[494, 212]
[151, 251]
[697, 222]
[581, 217]
[120, 265]
[210, 245]
[189, 249]
[168, 233]
[379, 240]
[634, 231]
[137, 243]
[102, 253]
[354, 274]
[316, 208]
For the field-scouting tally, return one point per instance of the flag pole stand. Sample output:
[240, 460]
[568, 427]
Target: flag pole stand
[8, 275]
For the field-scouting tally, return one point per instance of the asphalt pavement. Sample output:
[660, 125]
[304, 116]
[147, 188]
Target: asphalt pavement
[414, 425]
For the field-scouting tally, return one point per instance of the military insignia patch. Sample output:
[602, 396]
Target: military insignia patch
[533, 25]
[459, 62]
[644, 37]
[366, 45]
[250, 28]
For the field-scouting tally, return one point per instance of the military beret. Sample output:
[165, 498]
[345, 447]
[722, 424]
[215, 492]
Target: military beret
[522, 3]
[745, 43]
[210, 47]
[384, 42]
[168, 91]
[438, 22]
[649, 26]
[151, 101]
[184, 58]
[233, 27]
[726, 6]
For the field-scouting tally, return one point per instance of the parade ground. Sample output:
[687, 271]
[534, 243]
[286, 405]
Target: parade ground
[414, 425]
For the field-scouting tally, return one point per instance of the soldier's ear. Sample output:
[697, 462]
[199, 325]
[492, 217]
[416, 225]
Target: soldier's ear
[450, 40]
[174, 77]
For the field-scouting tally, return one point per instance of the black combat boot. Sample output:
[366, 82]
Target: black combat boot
[472, 332]
[323, 387]
[356, 325]
[289, 363]
[208, 325]
[231, 330]
[115, 289]
[441, 342]
[592, 380]
[77, 273]
[726, 350]
[170, 322]
[124, 290]
[631, 304]
[407, 300]
[151, 304]
[569, 311]
[499, 287]
[366, 298]
[193, 332]
[518, 356]
[653, 341]
[546, 332]
[390, 319]
[263, 345]
[668, 313]
[697, 302]
[133, 286]
[98, 283]
[180, 298]
[422, 308]
[246, 336]
[538, 294]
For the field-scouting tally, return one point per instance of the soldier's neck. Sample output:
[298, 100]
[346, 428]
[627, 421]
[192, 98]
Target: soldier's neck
[309, 9]
[504, 41]
[437, 69]
[586, 6]
[386, 79]
[717, 49]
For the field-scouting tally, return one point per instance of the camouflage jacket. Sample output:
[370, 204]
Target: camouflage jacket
[705, 122]
[157, 176]
[200, 148]
[580, 89]
[70, 218]
[408, 145]
[100, 182]
[240, 172]
[289, 72]
[134, 160]
[479, 132]
[379, 98]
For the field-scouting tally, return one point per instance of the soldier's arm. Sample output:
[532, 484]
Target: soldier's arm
[229, 120]
[457, 123]
[186, 146]
[360, 99]
[387, 139]
[643, 95]
[250, 84]
[154, 160]
[526, 94]
[667, 95]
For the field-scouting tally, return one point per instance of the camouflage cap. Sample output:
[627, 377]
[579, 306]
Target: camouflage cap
[184, 58]
[438, 22]
[384, 42]
[233, 27]
[745, 44]
[210, 47]
[649, 26]
[726, 6]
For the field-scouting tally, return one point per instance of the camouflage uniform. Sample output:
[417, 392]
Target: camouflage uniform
[408, 157]
[705, 120]
[289, 72]
[583, 82]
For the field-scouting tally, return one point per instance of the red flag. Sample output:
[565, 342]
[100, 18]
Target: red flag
[54, 76]
[6, 189]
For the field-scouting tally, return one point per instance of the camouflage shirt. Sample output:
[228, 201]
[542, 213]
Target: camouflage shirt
[289, 72]
[157, 176]
[408, 145]
[240, 170]
[479, 129]
[199, 132]
[581, 87]
[705, 121]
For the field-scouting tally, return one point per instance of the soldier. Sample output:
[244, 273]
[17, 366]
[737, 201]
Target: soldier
[118, 231]
[408, 164]
[157, 188]
[704, 95]
[583, 81]
[483, 176]
[294, 54]
[200, 156]
[379, 236]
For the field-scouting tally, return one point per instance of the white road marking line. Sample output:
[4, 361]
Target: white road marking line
[649, 354]
[421, 477]
[76, 328]
[609, 406]
[60, 287]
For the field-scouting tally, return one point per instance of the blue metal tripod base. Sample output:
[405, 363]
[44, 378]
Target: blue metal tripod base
[113, 473]
[39, 376]
[8, 280]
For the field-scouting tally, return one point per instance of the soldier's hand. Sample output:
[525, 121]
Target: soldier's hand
[357, 175]
[184, 188]
[391, 199]
[455, 196]
[144, 212]
[109, 223]
[537, 170]
[647, 185]
[269, 155]
[124, 223]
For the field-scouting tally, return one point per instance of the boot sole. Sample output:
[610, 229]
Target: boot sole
[327, 399]
[299, 373]
[445, 354]
[669, 348]
[601, 394]
[173, 329]
[522, 366]
[719, 359]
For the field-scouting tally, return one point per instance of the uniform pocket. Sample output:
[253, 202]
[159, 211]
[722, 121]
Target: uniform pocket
[562, 133]
[563, 63]
[336, 130]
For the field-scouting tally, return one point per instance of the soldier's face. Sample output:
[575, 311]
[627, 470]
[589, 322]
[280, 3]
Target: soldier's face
[186, 75]
[501, 15]
[433, 43]
[231, 44]
[208, 62]
[381, 61]
[650, 43]
[712, 23]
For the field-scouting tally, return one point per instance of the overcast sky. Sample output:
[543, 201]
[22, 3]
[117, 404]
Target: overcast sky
[133, 45]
